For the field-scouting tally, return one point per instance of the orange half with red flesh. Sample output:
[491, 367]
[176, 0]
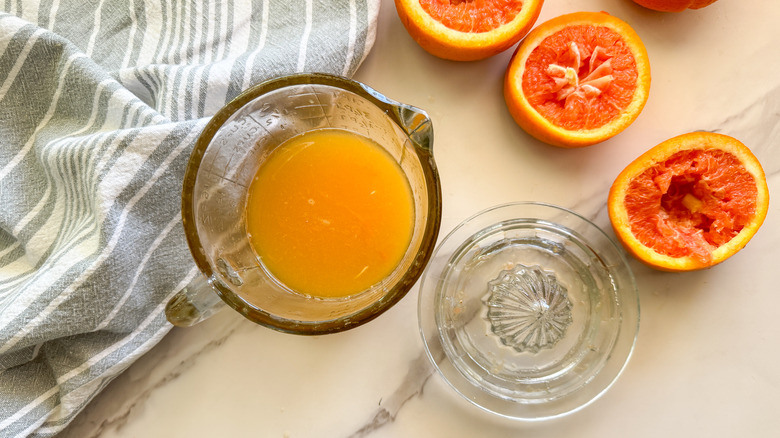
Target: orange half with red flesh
[578, 79]
[467, 30]
[689, 203]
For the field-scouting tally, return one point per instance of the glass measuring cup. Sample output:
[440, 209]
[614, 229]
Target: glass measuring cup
[223, 163]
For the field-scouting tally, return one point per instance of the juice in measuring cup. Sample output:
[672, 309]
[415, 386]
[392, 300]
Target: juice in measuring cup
[330, 213]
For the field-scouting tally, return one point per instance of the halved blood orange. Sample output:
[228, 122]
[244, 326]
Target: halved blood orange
[690, 202]
[467, 30]
[578, 79]
[674, 5]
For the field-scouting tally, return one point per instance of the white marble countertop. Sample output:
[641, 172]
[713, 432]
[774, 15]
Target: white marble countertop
[705, 363]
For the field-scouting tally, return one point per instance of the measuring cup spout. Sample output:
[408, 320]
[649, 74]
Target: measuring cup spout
[414, 121]
[417, 124]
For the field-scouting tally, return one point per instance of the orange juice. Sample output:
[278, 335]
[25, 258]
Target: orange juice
[329, 213]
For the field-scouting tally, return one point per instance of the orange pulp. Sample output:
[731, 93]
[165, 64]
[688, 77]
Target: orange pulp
[472, 16]
[692, 203]
[581, 77]
[329, 213]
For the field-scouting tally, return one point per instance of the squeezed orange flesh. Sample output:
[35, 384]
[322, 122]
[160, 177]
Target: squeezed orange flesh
[330, 213]
[692, 203]
[579, 111]
[472, 16]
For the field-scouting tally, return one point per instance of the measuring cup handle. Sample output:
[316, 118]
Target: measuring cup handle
[193, 304]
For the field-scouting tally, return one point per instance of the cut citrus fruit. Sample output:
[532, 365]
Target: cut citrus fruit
[674, 5]
[467, 30]
[689, 203]
[578, 79]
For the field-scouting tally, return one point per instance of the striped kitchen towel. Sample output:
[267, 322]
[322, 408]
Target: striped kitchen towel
[100, 104]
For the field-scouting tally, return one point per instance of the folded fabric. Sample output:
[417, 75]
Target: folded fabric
[100, 104]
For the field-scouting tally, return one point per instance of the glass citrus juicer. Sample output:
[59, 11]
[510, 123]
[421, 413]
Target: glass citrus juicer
[224, 161]
[528, 310]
